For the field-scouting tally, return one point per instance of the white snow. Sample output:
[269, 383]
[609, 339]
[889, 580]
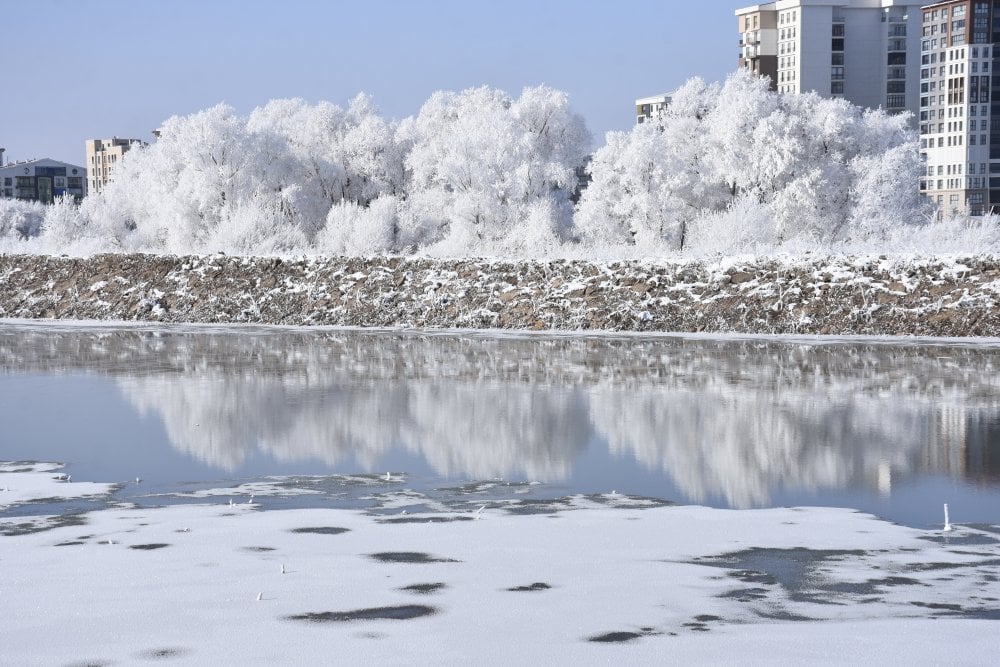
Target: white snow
[25, 482]
[223, 588]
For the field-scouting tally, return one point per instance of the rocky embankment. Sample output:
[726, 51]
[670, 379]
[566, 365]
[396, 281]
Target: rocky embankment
[822, 295]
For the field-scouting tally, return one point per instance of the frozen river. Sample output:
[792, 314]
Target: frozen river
[895, 428]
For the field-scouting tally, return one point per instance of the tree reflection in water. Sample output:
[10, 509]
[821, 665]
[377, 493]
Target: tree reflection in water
[726, 418]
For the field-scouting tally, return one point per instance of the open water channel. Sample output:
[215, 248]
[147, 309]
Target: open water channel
[893, 427]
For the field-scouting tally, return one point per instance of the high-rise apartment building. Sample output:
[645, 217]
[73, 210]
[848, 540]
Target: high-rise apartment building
[866, 51]
[102, 156]
[959, 107]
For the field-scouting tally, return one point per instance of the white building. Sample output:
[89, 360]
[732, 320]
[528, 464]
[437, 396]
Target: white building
[959, 126]
[42, 180]
[648, 108]
[866, 51]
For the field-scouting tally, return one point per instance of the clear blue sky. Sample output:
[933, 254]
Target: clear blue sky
[78, 69]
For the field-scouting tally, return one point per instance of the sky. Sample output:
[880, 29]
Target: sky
[85, 69]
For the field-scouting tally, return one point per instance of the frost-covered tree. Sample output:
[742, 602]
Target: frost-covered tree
[800, 167]
[322, 155]
[481, 165]
[20, 220]
[727, 168]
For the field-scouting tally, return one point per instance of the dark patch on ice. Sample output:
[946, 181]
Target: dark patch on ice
[896, 581]
[614, 637]
[745, 594]
[258, 549]
[424, 589]
[69, 543]
[537, 586]
[410, 557]
[781, 615]
[48, 523]
[961, 540]
[705, 618]
[526, 507]
[925, 567]
[398, 613]
[628, 501]
[938, 605]
[424, 519]
[793, 569]
[870, 587]
[321, 530]
[697, 627]
[753, 577]
[90, 663]
[162, 653]
[149, 547]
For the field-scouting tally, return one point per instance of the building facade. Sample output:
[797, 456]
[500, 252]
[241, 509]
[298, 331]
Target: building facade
[102, 156]
[42, 180]
[959, 117]
[758, 26]
[866, 51]
[649, 108]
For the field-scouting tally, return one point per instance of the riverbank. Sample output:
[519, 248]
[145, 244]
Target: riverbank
[953, 296]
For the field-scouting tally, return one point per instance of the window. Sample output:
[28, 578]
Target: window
[6, 181]
[836, 72]
[837, 44]
[837, 88]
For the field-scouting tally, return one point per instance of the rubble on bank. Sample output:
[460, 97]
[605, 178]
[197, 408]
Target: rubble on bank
[952, 296]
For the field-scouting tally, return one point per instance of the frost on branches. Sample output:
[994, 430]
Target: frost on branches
[736, 168]
[729, 168]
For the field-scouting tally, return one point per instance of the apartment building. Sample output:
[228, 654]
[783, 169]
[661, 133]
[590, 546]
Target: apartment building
[866, 51]
[103, 155]
[959, 108]
[42, 180]
[758, 26]
[648, 108]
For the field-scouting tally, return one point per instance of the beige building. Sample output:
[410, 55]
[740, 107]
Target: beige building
[758, 26]
[102, 156]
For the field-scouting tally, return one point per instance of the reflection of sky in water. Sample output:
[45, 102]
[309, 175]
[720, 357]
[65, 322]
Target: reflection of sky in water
[892, 429]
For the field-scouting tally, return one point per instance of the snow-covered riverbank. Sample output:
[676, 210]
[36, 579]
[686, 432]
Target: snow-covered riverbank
[954, 296]
[580, 580]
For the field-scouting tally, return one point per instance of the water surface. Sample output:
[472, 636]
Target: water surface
[892, 427]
